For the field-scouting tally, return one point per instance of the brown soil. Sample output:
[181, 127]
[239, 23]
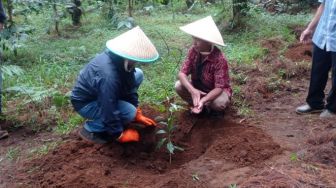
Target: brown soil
[299, 52]
[270, 147]
[77, 163]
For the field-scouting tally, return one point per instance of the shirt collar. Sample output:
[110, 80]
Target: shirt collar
[212, 57]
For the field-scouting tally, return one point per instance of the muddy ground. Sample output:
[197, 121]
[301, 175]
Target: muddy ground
[270, 147]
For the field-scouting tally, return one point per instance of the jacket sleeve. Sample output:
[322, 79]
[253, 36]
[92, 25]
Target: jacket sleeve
[108, 90]
[2, 13]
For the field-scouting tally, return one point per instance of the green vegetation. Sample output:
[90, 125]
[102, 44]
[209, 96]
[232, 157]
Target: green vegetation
[13, 153]
[52, 61]
[44, 149]
[168, 131]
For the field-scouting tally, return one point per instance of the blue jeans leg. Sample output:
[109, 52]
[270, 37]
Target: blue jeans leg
[92, 112]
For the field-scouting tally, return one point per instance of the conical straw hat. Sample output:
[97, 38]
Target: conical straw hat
[204, 29]
[133, 45]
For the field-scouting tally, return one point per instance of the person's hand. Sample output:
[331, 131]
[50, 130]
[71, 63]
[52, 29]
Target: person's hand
[306, 36]
[198, 109]
[129, 135]
[196, 96]
[140, 118]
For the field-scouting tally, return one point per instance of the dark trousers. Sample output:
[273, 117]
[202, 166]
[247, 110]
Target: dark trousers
[323, 61]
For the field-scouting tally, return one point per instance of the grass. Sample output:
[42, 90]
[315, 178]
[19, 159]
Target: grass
[13, 153]
[44, 149]
[52, 62]
[65, 127]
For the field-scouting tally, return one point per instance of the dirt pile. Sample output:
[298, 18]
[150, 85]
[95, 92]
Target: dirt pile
[77, 163]
[299, 52]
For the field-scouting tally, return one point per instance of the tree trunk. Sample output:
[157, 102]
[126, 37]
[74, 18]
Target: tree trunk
[56, 18]
[10, 12]
[239, 8]
[130, 8]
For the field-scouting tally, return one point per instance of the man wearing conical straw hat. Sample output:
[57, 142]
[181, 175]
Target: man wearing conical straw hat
[208, 90]
[106, 89]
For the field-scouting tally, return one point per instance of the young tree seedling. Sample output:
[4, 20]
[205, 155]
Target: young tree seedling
[167, 131]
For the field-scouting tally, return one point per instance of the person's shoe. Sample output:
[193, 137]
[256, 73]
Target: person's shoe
[327, 114]
[306, 109]
[3, 134]
[98, 138]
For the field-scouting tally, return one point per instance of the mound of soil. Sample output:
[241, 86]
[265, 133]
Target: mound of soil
[272, 47]
[77, 163]
[299, 52]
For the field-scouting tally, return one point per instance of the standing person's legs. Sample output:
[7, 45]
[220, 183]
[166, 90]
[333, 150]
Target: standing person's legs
[319, 77]
[331, 100]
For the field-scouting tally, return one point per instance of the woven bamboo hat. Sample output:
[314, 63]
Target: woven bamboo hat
[133, 45]
[204, 29]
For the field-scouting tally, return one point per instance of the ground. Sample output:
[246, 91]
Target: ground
[271, 146]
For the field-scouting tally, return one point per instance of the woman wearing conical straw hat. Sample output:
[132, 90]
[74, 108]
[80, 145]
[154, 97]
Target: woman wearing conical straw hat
[106, 89]
[208, 90]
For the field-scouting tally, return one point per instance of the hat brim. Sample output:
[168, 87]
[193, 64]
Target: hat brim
[137, 59]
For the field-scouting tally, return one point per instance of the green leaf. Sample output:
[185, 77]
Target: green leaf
[170, 147]
[161, 132]
[178, 148]
[160, 143]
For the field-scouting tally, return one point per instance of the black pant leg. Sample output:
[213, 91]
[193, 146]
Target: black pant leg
[319, 77]
[331, 100]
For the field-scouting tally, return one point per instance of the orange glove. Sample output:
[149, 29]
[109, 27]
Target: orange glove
[140, 118]
[129, 135]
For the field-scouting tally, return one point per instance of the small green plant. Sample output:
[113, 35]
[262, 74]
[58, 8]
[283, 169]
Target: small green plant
[12, 153]
[44, 149]
[293, 157]
[64, 127]
[233, 186]
[167, 131]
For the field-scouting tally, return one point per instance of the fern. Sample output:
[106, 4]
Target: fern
[10, 71]
[35, 94]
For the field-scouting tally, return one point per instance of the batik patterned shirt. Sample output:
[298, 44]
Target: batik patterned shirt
[214, 74]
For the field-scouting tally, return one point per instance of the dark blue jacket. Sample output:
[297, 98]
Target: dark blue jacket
[104, 80]
[2, 13]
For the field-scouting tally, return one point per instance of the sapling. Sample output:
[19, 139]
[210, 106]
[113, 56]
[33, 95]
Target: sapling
[168, 130]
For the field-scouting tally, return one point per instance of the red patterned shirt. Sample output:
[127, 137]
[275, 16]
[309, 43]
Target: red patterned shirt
[215, 71]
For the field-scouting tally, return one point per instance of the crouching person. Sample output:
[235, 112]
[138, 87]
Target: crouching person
[106, 89]
[209, 88]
